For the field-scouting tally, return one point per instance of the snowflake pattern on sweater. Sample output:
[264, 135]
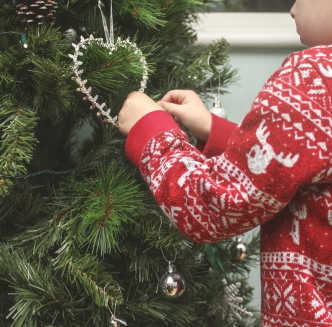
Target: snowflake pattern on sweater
[275, 172]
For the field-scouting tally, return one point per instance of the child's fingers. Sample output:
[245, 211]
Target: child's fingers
[173, 109]
[179, 96]
[172, 96]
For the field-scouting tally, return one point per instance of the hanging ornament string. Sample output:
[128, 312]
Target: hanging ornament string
[216, 109]
[172, 284]
[111, 47]
[113, 320]
[216, 97]
[162, 252]
[109, 34]
[111, 23]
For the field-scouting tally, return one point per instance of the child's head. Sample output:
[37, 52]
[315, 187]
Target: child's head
[313, 20]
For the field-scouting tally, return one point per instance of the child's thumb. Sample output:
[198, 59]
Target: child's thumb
[170, 107]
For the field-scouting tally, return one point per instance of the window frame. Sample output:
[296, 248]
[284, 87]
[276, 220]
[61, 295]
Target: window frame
[248, 29]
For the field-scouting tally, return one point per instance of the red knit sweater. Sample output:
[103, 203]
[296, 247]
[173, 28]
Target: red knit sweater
[273, 169]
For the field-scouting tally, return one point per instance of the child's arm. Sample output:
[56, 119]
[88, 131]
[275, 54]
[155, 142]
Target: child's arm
[282, 143]
[269, 155]
[213, 199]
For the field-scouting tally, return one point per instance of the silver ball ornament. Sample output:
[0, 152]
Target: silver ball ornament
[218, 110]
[240, 250]
[172, 284]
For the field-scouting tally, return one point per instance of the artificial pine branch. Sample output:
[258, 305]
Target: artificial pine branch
[164, 313]
[87, 273]
[44, 71]
[109, 200]
[43, 237]
[18, 140]
[147, 13]
[108, 73]
[65, 227]
[53, 94]
[187, 8]
[33, 290]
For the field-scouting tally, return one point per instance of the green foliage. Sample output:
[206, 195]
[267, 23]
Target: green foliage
[32, 290]
[51, 80]
[109, 199]
[39, 76]
[18, 141]
[109, 73]
[147, 13]
[37, 288]
[80, 234]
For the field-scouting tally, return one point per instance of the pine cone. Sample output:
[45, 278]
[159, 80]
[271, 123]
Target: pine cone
[36, 12]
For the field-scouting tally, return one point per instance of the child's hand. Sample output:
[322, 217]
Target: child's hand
[134, 108]
[188, 108]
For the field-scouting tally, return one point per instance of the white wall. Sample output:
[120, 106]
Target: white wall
[259, 45]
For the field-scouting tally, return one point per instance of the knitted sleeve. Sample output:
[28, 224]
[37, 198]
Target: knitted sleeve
[283, 142]
[221, 130]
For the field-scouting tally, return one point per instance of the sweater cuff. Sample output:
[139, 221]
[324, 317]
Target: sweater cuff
[221, 130]
[144, 130]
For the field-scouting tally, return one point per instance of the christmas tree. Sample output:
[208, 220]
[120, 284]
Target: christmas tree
[82, 241]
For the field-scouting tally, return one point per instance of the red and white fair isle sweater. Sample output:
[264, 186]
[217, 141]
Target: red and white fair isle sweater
[274, 169]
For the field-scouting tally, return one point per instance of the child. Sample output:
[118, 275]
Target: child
[274, 169]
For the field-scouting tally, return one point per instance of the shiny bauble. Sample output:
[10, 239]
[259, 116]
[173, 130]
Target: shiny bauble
[239, 250]
[172, 284]
[218, 110]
